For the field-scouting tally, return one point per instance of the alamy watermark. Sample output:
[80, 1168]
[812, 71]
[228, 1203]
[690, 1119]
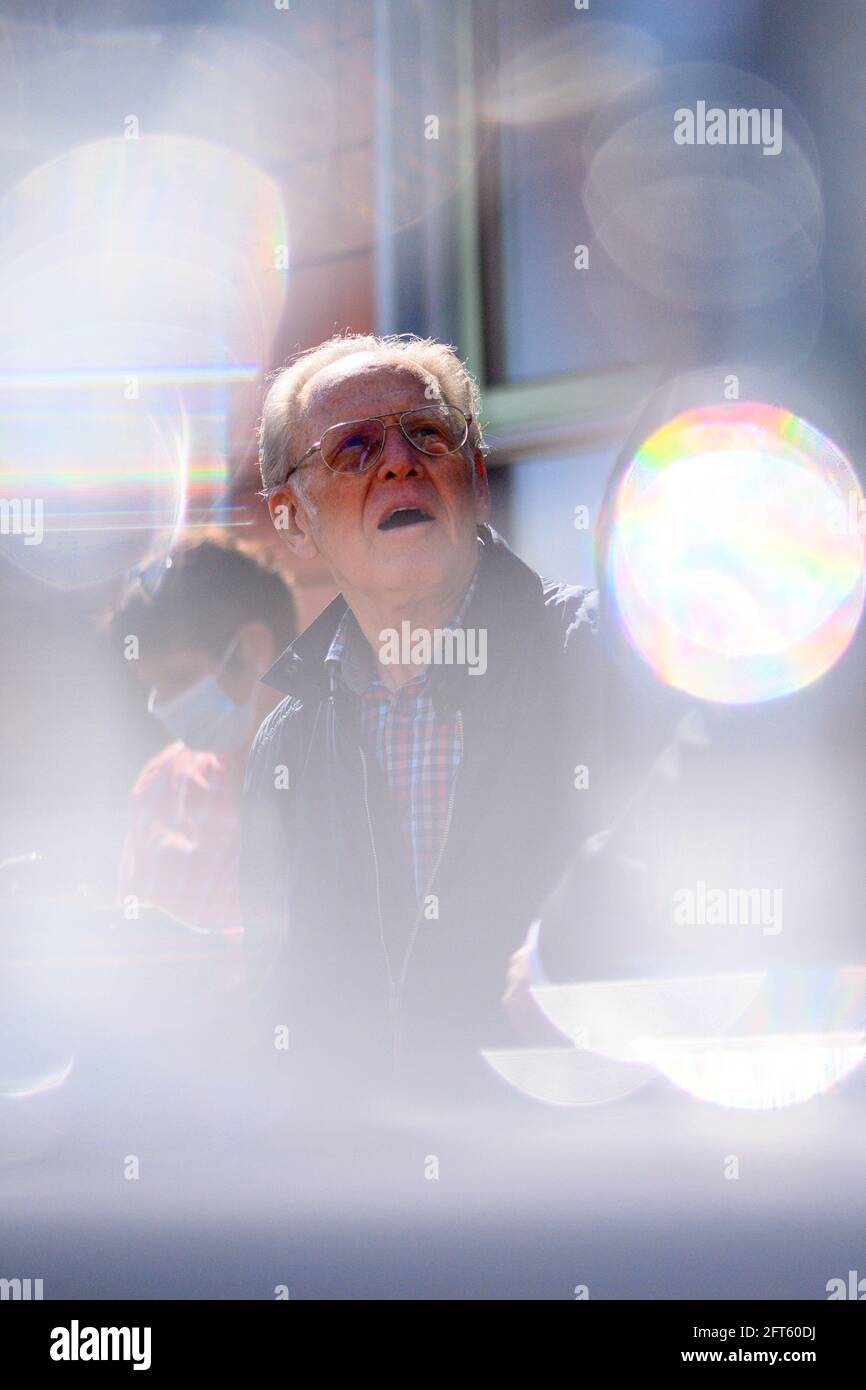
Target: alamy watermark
[438, 646]
[21, 1290]
[22, 516]
[737, 125]
[854, 1287]
[77, 1343]
[729, 907]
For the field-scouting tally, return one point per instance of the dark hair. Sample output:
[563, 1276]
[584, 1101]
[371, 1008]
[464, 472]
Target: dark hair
[200, 596]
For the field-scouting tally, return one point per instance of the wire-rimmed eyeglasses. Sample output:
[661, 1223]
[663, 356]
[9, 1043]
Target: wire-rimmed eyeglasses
[354, 446]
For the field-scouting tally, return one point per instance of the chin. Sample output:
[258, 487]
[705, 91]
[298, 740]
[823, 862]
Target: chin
[425, 566]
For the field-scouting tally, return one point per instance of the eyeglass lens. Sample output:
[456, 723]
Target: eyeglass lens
[354, 447]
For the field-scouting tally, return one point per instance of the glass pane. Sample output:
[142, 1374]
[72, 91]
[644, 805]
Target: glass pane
[554, 501]
[546, 71]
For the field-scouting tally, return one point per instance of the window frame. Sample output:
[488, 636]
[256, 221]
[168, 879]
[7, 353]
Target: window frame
[430, 276]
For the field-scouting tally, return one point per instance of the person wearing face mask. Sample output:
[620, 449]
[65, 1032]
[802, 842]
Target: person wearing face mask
[208, 621]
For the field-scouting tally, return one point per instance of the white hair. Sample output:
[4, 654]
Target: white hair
[280, 410]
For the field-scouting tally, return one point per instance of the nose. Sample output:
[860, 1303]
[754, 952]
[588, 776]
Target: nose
[398, 458]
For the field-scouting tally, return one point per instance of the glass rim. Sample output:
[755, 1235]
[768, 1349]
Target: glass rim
[398, 418]
[383, 428]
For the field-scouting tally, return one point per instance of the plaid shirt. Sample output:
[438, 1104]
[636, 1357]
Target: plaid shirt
[418, 750]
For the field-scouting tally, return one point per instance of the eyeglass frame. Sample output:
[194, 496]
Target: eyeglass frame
[395, 417]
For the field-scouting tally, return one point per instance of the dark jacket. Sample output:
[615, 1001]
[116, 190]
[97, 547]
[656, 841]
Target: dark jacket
[337, 946]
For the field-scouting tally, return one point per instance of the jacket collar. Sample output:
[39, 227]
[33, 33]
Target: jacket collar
[302, 669]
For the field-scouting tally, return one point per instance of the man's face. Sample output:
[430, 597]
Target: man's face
[339, 516]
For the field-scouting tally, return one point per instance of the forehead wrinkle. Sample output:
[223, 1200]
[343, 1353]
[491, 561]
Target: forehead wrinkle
[319, 398]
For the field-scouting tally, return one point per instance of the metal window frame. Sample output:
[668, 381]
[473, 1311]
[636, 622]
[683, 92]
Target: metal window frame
[581, 410]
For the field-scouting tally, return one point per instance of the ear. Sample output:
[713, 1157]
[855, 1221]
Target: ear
[292, 520]
[481, 486]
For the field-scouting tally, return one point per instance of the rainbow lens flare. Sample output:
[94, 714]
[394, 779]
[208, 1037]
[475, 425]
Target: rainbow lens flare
[141, 284]
[752, 1041]
[736, 556]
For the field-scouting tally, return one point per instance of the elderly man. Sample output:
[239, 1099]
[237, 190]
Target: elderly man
[413, 797]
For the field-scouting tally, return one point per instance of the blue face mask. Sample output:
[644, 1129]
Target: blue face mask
[204, 717]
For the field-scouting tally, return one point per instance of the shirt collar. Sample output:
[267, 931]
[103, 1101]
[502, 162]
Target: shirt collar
[508, 591]
[353, 656]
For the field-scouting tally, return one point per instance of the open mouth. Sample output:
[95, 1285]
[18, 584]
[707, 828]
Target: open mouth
[403, 516]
